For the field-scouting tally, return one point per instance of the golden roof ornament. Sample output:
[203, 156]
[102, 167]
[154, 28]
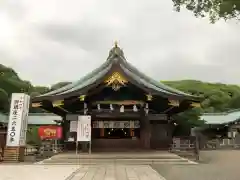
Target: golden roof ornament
[116, 80]
[115, 44]
[115, 51]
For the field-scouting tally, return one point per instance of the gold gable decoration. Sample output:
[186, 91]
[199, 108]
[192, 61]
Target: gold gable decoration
[57, 103]
[194, 104]
[149, 97]
[173, 102]
[82, 97]
[116, 80]
[35, 105]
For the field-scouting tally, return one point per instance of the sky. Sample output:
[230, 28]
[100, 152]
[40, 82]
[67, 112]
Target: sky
[49, 41]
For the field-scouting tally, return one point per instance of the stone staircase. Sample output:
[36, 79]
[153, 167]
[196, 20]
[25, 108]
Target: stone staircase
[117, 158]
[13, 154]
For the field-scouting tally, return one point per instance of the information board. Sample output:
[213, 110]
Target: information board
[84, 128]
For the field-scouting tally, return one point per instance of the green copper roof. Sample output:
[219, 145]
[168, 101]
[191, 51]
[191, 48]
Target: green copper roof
[221, 118]
[116, 58]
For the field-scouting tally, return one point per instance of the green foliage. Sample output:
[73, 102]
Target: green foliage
[187, 120]
[32, 136]
[3, 101]
[214, 9]
[11, 83]
[234, 103]
[217, 98]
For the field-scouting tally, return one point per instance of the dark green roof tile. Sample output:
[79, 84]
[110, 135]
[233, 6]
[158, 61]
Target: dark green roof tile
[116, 56]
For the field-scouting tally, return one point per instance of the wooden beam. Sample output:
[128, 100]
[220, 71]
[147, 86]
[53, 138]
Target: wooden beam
[101, 132]
[194, 104]
[59, 104]
[174, 102]
[35, 105]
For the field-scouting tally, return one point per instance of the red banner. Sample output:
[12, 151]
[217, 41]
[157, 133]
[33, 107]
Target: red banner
[50, 132]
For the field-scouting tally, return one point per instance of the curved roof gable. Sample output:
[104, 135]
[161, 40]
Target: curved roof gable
[116, 58]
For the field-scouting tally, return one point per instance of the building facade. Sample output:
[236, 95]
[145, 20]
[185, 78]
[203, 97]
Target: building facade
[225, 126]
[128, 109]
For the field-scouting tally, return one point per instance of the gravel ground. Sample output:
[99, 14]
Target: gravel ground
[214, 165]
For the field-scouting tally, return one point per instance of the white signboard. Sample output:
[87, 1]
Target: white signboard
[84, 128]
[116, 124]
[23, 132]
[17, 124]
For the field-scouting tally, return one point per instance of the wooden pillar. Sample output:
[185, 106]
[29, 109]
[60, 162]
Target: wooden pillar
[65, 128]
[101, 132]
[132, 132]
[147, 133]
[145, 130]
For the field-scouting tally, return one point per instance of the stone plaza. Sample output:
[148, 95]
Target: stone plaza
[70, 172]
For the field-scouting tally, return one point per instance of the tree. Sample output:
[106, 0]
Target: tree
[3, 101]
[186, 120]
[214, 9]
[235, 103]
[216, 96]
[32, 136]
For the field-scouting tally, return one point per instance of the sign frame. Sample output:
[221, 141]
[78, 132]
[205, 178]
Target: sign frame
[84, 131]
[18, 120]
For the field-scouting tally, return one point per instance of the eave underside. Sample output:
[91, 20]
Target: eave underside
[105, 94]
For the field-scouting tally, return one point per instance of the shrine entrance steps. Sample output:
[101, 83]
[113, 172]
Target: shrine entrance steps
[127, 158]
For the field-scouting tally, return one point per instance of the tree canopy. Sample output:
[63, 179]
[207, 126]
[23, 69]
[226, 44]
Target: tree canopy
[214, 9]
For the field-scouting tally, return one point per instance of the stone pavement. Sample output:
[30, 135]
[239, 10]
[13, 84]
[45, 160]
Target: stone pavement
[93, 172]
[35, 172]
[215, 165]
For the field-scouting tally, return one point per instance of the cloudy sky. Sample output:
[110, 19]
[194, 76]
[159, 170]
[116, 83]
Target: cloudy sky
[57, 40]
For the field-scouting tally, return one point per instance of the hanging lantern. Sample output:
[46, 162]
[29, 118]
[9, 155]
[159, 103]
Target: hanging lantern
[85, 108]
[99, 107]
[122, 109]
[111, 107]
[146, 108]
[135, 109]
[146, 111]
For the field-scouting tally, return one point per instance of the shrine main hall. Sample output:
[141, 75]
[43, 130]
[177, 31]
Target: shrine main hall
[128, 109]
